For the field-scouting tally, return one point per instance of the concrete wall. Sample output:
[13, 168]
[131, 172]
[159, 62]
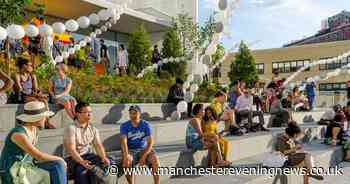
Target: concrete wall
[102, 114]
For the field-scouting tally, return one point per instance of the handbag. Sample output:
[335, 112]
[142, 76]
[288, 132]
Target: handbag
[24, 172]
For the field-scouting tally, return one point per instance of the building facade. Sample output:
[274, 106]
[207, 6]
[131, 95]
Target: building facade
[290, 59]
[155, 15]
[335, 28]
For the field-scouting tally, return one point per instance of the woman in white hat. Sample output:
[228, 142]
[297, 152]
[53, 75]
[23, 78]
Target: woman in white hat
[21, 142]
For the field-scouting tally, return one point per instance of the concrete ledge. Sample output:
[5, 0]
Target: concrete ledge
[104, 114]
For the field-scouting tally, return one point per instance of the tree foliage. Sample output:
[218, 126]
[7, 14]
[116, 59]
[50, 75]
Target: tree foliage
[243, 66]
[139, 50]
[219, 54]
[12, 11]
[171, 45]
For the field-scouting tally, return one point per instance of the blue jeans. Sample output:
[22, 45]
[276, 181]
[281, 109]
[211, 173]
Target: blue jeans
[311, 100]
[58, 174]
[80, 173]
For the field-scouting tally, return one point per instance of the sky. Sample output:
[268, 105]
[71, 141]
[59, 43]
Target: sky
[272, 23]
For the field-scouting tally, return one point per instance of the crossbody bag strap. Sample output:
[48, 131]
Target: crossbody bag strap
[35, 141]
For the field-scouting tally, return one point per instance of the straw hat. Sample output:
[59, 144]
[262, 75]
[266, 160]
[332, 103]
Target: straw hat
[34, 111]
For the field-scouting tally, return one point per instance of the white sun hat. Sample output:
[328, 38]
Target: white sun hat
[34, 111]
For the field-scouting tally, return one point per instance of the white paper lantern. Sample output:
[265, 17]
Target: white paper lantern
[189, 96]
[58, 27]
[65, 54]
[15, 31]
[31, 30]
[103, 14]
[87, 39]
[206, 59]
[71, 51]
[103, 28]
[175, 116]
[58, 59]
[93, 35]
[182, 106]
[108, 25]
[190, 78]
[219, 27]
[98, 31]
[45, 30]
[194, 88]
[223, 4]
[83, 22]
[139, 76]
[3, 33]
[210, 49]
[112, 12]
[316, 78]
[77, 47]
[82, 43]
[72, 25]
[94, 19]
[186, 85]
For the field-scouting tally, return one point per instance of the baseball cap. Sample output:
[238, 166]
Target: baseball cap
[135, 108]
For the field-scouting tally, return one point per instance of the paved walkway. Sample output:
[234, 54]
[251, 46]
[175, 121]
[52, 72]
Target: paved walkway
[343, 179]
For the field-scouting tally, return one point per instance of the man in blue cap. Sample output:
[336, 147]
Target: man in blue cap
[137, 144]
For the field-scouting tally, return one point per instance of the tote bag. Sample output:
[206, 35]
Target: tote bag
[23, 172]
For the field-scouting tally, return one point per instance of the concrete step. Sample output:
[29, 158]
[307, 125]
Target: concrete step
[50, 141]
[104, 114]
[242, 149]
[325, 156]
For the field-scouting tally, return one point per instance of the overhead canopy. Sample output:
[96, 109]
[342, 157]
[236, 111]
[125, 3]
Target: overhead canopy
[129, 21]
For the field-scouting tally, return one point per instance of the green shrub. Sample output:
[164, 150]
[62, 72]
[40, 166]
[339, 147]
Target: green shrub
[139, 50]
[176, 69]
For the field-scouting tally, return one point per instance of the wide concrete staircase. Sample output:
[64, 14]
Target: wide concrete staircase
[169, 139]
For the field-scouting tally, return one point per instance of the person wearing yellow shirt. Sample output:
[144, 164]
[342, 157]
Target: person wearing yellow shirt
[209, 124]
[224, 114]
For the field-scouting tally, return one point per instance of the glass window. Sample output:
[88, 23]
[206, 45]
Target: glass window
[343, 86]
[322, 87]
[337, 64]
[329, 86]
[306, 63]
[300, 63]
[287, 67]
[281, 67]
[336, 86]
[344, 61]
[274, 65]
[294, 66]
[322, 67]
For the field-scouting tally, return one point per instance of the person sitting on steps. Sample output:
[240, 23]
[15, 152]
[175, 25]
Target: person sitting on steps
[296, 157]
[217, 158]
[137, 144]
